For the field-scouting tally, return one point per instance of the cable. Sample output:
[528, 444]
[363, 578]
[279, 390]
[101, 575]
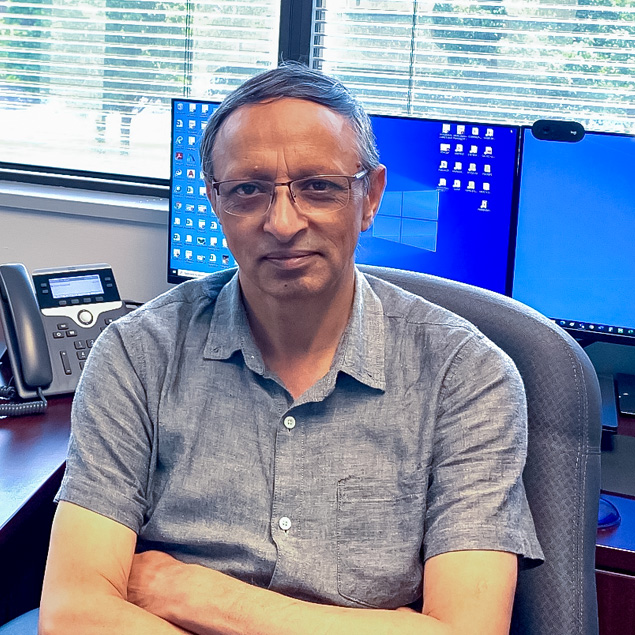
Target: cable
[20, 409]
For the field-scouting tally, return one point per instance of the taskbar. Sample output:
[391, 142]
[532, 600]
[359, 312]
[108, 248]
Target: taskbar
[601, 329]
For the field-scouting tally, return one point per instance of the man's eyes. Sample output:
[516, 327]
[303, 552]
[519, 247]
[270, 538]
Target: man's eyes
[320, 185]
[249, 188]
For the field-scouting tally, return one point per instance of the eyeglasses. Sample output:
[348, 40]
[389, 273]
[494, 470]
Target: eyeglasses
[320, 194]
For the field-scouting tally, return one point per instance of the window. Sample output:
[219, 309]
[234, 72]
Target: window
[87, 85]
[512, 61]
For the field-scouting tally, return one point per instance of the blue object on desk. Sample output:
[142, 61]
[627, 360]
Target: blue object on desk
[24, 625]
[608, 515]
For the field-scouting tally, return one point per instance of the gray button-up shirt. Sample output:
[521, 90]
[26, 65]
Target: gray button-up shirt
[412, 445]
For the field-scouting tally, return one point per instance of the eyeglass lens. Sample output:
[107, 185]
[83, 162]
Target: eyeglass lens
[317, 195]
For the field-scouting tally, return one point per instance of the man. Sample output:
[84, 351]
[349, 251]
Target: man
[291, 446]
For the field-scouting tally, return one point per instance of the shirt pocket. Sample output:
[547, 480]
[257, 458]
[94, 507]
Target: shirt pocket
[379, 538]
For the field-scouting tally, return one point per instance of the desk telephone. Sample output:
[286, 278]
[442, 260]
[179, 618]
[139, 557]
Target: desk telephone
[50, 324]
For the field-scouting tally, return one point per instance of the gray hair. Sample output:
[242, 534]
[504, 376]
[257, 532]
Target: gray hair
[297, 81]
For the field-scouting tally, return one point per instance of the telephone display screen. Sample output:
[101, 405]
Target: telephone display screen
[76, 286]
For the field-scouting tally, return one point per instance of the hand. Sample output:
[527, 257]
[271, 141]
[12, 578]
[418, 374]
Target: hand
[153, 581]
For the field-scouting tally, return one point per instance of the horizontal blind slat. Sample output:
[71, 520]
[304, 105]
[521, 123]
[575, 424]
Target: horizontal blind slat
[518, 59]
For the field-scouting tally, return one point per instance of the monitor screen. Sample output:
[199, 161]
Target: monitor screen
[196, 243]
[447, 210]
[449, 206]
[576, 221]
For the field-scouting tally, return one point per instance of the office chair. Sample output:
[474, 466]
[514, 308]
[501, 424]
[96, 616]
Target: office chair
[562, 474]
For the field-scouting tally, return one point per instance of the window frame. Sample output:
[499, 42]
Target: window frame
[294, 43]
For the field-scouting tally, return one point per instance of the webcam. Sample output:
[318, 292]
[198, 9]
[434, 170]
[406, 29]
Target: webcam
[554, 130]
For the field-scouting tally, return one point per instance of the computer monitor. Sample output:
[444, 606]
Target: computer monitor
[449, 205]
[447, 210]
[196, 244]
[575, 261]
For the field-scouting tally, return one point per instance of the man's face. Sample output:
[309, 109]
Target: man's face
[288, 254]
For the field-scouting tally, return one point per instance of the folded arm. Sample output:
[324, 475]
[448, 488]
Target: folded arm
[85, 585]
[464, 592]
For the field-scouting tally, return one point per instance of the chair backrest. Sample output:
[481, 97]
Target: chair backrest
[562, 474]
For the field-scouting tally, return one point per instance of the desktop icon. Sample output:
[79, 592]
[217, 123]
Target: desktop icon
[460, 129]
[458, 148]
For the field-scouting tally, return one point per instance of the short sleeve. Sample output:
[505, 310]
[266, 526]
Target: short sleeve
[111, 443]
[476, 497]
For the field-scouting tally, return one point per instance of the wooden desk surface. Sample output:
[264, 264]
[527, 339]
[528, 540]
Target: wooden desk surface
[32, 455]
[615, 547]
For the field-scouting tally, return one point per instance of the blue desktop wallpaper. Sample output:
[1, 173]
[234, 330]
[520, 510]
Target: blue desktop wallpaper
[575, 254]
[448, 206]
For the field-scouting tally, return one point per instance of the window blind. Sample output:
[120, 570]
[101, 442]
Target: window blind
[87, 85]
[497, 60]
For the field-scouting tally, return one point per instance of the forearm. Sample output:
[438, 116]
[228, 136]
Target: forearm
[84, 614]
[207, 602]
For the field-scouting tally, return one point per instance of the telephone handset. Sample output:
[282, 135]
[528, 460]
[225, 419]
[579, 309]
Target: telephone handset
[50, 324]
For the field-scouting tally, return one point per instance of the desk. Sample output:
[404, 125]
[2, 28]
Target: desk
[615, 547]
[32, 455]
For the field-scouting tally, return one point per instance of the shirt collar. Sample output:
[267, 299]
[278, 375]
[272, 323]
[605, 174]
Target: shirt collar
[360, 353]
[229, 329]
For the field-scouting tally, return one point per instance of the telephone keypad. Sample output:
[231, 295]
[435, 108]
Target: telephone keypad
[64, 331]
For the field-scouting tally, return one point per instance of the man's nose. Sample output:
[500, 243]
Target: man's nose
[284, 220]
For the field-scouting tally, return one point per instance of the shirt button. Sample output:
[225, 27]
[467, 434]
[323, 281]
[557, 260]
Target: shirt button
[289, 423]
[284, 523]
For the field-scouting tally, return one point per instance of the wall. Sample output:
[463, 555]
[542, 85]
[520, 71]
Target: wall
[132, 240]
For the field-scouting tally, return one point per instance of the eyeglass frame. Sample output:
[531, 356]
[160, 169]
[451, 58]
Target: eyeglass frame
[350, 179]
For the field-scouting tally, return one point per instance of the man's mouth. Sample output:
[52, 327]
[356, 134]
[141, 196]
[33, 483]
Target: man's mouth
[289, 258]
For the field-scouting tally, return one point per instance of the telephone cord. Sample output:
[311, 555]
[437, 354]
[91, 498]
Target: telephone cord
[19, 409]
